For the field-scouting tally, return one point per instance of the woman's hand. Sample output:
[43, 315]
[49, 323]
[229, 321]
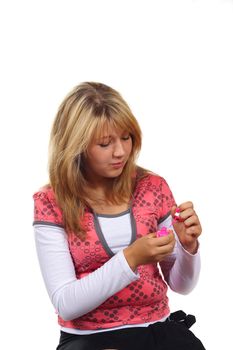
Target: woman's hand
[149, 249]
[188, 228]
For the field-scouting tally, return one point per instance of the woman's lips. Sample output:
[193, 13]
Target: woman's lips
[117, 165]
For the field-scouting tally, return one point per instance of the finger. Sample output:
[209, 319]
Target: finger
[165, 250]
[194, 231]
[191, 220]
[186, 205]
[187, 213]
[161, 257]
[164, 240]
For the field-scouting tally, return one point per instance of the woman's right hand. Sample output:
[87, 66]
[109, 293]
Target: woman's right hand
[149, 249]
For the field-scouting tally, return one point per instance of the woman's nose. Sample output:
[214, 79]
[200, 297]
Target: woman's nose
[118, 149]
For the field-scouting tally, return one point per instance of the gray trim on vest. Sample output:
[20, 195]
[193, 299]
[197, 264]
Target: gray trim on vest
[164, 217]
[113, 215]
[100, 233]
[46, 223]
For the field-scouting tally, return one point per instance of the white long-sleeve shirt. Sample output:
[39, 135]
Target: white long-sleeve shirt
[74, 297]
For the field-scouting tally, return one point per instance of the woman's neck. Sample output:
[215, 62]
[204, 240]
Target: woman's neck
[99, 190]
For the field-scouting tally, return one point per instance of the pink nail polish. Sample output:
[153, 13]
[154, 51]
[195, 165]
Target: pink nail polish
[163, 232]
[176, 216]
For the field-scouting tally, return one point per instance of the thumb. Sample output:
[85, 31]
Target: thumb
[151, 235]
[173, 210]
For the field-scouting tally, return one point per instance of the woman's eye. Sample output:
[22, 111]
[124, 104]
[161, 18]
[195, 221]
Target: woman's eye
[104, 144]
[126, 137]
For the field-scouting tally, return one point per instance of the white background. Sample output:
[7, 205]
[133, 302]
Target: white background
[172, 60]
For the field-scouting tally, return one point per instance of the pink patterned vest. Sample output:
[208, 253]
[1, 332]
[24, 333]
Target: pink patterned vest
[144, 300]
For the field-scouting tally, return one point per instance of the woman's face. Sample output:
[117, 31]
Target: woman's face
[107, 156]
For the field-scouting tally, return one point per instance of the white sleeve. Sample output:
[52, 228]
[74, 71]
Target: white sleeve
[180, 269]
[70, 296]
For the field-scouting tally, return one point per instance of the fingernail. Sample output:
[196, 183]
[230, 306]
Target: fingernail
[176, 216]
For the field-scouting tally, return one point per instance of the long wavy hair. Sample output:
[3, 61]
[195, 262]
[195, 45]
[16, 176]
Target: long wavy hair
[86, 111]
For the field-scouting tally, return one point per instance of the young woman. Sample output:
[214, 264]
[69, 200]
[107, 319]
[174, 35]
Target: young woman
[105, 267]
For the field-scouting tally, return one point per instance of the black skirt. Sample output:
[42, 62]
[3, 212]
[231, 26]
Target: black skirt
[172, 334]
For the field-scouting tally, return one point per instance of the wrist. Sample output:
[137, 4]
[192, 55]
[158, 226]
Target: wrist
[191, 248]
[130, 258]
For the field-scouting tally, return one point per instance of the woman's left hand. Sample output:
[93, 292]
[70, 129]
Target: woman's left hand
[188, 228]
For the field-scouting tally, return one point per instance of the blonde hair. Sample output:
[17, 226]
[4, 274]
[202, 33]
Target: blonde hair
[85, 112]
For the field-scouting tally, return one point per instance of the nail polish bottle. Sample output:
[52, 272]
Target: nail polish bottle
[163, 232]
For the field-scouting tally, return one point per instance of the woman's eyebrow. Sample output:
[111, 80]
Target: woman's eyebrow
[102, 138]
[109, 136]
